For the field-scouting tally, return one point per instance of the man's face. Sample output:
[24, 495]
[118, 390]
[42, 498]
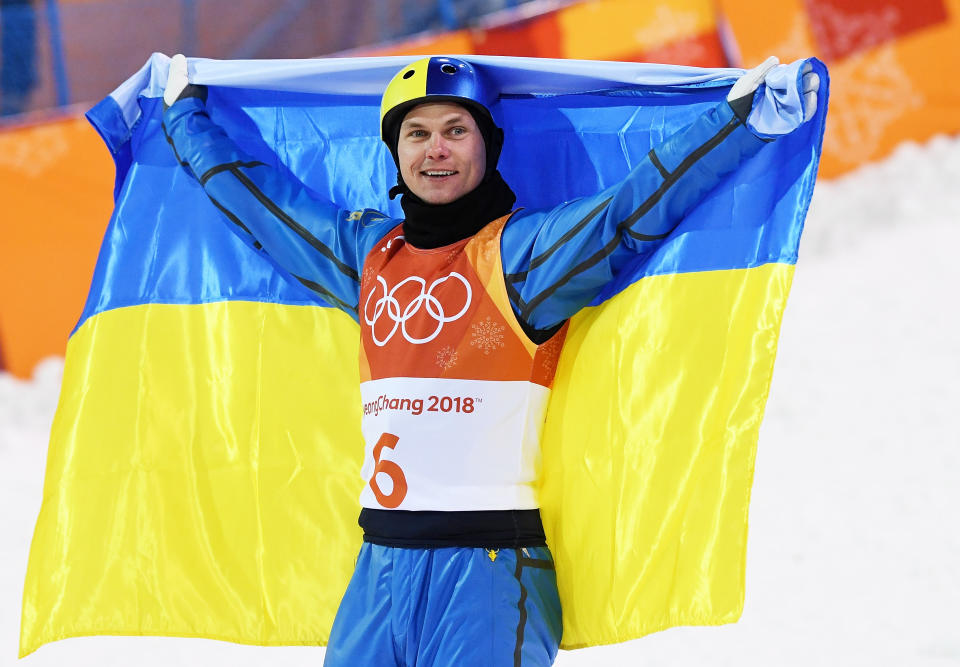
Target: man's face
[441, 152]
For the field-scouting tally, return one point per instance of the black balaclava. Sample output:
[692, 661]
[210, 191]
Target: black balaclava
[436, 225]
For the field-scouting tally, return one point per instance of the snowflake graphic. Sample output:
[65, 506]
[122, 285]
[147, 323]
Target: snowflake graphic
[369, 271]
[669, 25]
[678, 53]
[489, 253]
[486, 335]
[666, 39]
[842, 33]
[550, 353]
[796, 43]
[447, 358]
[869, 92]
[34, 151]
[451, 257]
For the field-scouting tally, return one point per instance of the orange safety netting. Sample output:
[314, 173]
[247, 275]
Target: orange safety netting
[891, 81]
[891, 66]
[678, 32]
[56, 181]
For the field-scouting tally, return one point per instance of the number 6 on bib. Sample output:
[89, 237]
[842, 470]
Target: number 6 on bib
[392, 470]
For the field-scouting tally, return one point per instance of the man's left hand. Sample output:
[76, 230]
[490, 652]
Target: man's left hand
[789, 97]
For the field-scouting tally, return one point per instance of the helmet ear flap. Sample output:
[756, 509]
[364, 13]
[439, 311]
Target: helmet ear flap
[494, 147]
[492, 141]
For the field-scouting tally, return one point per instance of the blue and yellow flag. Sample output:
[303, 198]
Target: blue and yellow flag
[204, 463]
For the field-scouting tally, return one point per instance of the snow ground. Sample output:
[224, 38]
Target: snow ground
[853, 554]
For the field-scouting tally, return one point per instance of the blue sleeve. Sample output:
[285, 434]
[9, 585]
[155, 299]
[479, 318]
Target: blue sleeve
[321, 245]
[557, 261]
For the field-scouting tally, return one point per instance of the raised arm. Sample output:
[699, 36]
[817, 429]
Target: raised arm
[319, 244]
[557, 261]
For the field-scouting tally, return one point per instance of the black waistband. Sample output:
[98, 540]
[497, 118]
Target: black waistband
[490, 529]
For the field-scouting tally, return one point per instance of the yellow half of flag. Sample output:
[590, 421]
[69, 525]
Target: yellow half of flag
[203, 472]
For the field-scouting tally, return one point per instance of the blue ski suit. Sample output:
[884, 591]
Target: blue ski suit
[461, 605]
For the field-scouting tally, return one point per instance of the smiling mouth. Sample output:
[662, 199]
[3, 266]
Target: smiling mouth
[438, 173]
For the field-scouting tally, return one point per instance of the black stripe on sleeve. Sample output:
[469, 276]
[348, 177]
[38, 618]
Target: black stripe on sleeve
[301, 231]
[569, 234]
[235, 220]
[514, 295]
[573, 231]
[325, 293]
[655, 161]
[642, 210]
[538, 336]
[316, 287]
[226, 166]
[683, 168]
[183, 163]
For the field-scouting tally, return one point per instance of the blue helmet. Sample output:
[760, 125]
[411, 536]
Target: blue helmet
[440, 79]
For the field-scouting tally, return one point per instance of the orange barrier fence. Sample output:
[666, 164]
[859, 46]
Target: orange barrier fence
[891, 65]
[56, 182]
[678, 32]
[892, 75]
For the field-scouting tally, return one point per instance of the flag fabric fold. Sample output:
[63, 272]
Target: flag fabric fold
[203, 471]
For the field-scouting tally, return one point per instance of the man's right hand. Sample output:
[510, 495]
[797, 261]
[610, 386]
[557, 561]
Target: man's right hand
[176, 79]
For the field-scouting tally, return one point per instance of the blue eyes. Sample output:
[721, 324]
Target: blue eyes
[454, 131]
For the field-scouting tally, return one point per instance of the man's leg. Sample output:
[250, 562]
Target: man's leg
[362, 632]
[538, 634]
[480, 607]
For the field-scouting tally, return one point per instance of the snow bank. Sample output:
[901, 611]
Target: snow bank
[916, 185]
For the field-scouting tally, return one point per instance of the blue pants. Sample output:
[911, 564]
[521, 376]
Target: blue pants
[451, 606]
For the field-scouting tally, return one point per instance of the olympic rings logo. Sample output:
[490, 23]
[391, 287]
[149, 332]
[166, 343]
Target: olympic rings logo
[388, 305]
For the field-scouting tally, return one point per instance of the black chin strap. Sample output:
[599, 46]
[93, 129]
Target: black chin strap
[436, 225]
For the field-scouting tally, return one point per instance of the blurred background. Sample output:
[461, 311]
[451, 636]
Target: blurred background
[852, 553]
[891, 82]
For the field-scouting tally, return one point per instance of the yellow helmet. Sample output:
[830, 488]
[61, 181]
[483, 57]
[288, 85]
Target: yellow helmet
[433, 79]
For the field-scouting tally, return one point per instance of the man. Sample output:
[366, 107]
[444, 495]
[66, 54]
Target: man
[462, 307]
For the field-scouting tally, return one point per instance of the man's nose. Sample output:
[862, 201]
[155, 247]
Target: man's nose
[437, 148]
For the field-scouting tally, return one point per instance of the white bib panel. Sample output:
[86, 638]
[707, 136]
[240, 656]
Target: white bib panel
[451, 444]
